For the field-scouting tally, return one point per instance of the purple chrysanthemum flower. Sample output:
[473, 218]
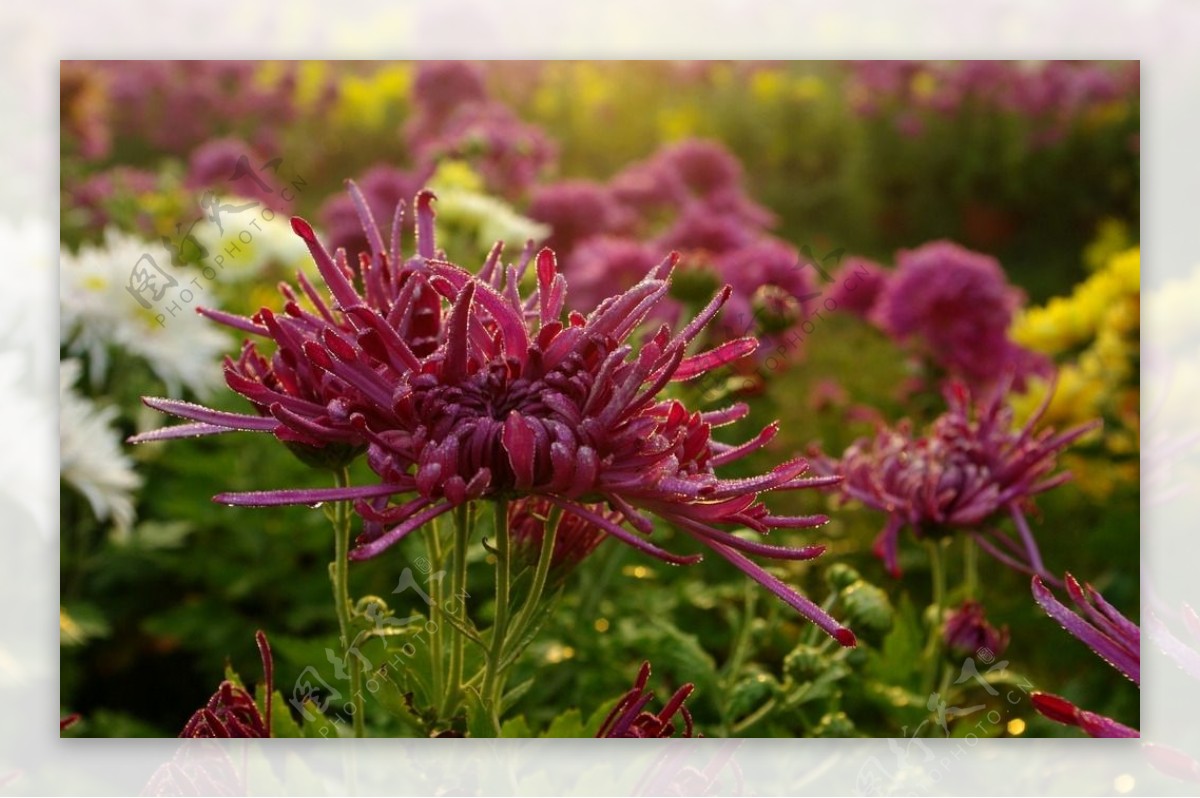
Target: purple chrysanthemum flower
[958, 305]
[604, 263]
[699, 228]
[968, 632]
[1114, 638]
[509, 154]
[232, 712]
[693, 171]
[969, 470]
[576, 210]
[630, 718]
[213, 165]
[463, 389]
[754, 269]
[857, 286]
[440, 87]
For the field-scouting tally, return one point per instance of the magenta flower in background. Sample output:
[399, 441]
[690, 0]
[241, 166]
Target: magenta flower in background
[383, 188]
[455, 118]
[218, 165]
[509, 154]
[957, 305]
[440, 87]
[698, 227]
[857, 286]
[968, 632]
[1113, 637]
[232, 712]
[704, 167]
[970, 470]
[603, 263]
[630, 718]
[92, 199]
[689, 172]
[576, 210]
[177, 105]
[463, 389]
[752, 270]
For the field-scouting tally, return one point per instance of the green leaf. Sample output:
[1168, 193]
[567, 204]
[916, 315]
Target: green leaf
[597, 718]
[901, 657]
[516, 727]
[514, 695]
[479, 719]
[282, 722]
[568, 724]
[393, 699]
[315, 724]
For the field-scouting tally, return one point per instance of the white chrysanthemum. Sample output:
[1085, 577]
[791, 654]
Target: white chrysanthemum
[486, 219]
[98, 313]
[246, 243]
[91, 459]
[27, 377]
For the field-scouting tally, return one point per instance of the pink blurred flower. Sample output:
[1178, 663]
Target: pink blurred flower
[603, 264]
[231, 167]
[383, 188]
[509, 154]
[957, 305]
[574, 538]
[576, 210]
[857, 285]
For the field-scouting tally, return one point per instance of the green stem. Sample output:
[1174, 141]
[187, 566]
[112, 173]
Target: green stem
[738, 654]
[339, 570]
[464, 522]
[493, 684]
[933, 647]
[540, 575]
[433, 544]
[971, 566]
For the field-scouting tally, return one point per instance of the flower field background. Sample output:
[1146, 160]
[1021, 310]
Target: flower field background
[939, 263]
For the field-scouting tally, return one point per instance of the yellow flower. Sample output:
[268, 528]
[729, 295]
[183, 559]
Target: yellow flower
[923, 85]
[767, 85]
[592, 89]
[807, 88]
[1066, 322]
[311, 79]
[1112, 236]
[678, 123]
[367, 102]
[1076, 399]
[453, 174]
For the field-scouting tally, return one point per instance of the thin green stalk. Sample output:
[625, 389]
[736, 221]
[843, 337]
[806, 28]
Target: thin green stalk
[738, 654]
[540, 575]
[339, 570]
[933, 647]
[971, 566]
[433, 542]
[464, 522]
[493, 684]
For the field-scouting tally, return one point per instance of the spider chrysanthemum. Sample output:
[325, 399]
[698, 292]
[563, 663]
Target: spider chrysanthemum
[463, 387]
